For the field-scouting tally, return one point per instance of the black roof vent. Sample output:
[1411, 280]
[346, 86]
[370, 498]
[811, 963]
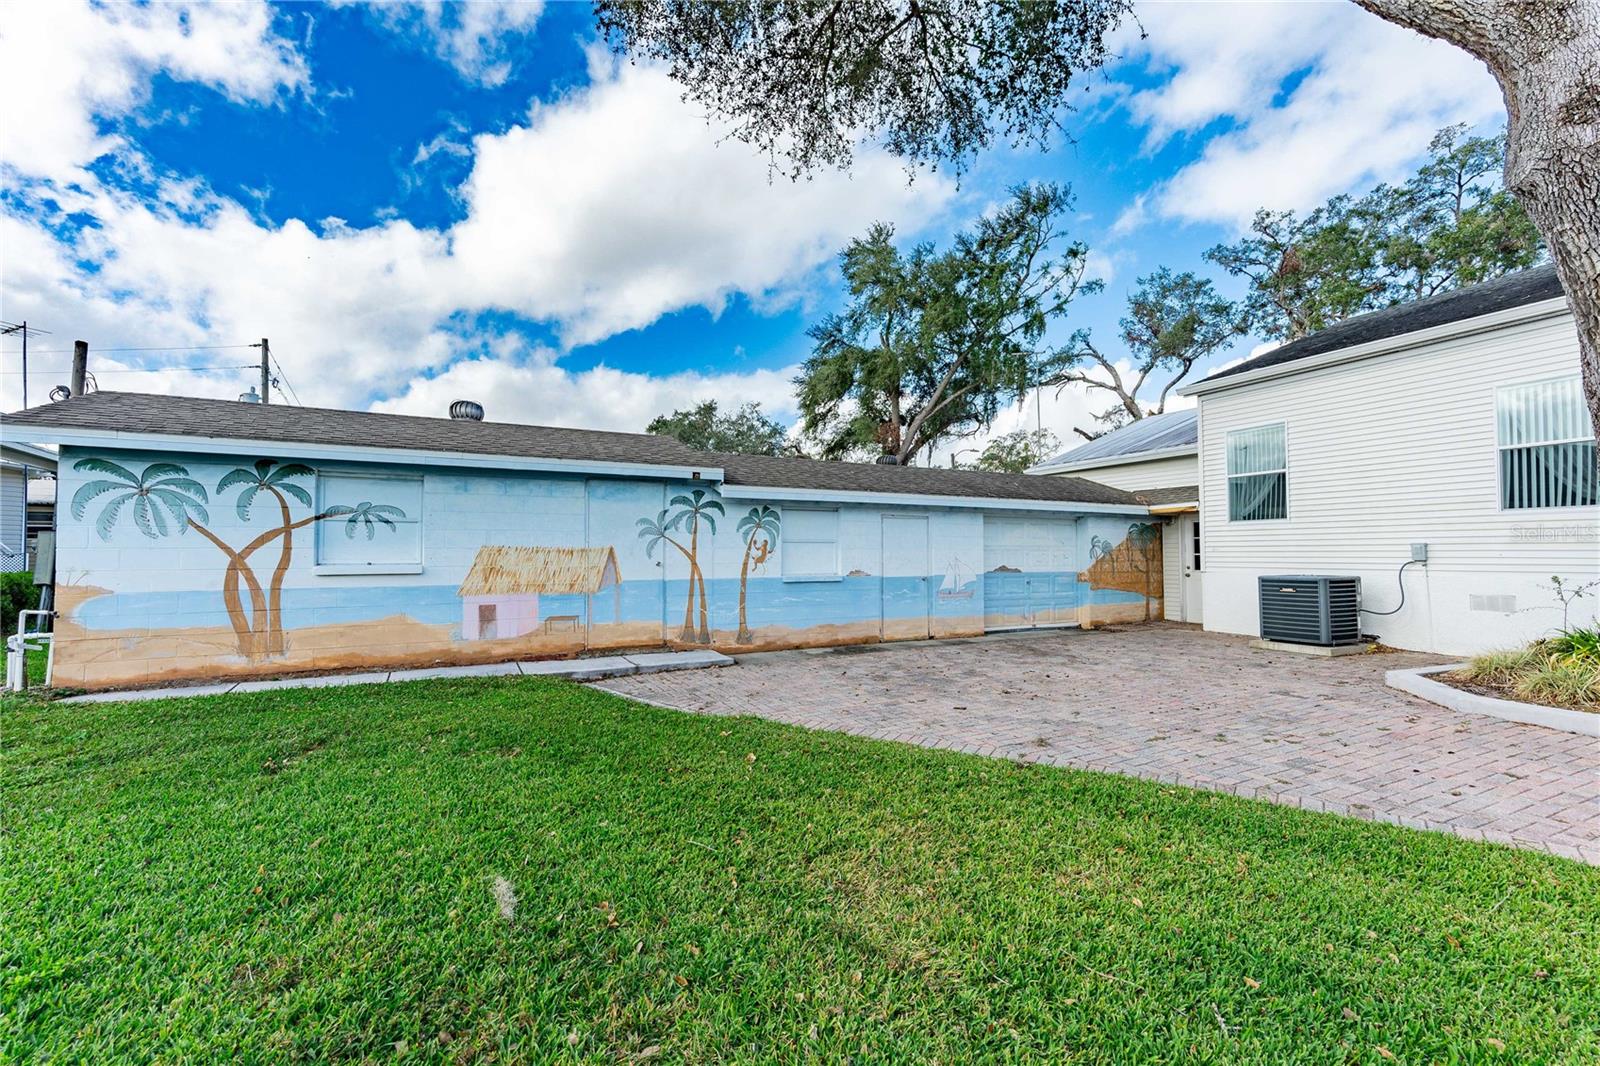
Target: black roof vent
[467, 411]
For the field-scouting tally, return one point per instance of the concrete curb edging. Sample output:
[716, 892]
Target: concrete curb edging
[1417, 683]
[568, 669]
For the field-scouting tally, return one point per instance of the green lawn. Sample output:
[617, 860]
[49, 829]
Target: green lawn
[311, 875]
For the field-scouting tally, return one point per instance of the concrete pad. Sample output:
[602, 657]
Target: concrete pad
[140, 695]
[581, 669]
[322, 681]
[655, 662]
[484, 670]
[1322, 651]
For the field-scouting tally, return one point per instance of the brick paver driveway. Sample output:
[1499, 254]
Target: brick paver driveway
[1174, 704]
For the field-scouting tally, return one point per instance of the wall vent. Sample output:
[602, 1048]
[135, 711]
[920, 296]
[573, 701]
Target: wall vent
[1502, 604]
[1310, 609]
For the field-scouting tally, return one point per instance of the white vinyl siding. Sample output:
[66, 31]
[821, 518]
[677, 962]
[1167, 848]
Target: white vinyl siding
[1135, 476]
[1258, 474]
[386, 540]
[809, 548]
[1547, 452]
[1399, 449]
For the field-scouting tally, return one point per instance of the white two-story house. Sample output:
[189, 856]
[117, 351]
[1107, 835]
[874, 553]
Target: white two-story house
[1440, 451]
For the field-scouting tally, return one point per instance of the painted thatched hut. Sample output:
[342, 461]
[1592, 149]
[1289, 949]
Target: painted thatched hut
[500, 594]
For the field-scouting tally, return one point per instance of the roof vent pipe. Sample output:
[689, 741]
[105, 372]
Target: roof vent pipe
[466, 411]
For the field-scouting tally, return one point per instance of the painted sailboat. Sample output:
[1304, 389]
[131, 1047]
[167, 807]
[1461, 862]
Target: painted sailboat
[958, 581]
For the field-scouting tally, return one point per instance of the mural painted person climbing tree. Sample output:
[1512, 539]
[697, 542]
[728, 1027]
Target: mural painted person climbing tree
[259, 631]
[759, 528]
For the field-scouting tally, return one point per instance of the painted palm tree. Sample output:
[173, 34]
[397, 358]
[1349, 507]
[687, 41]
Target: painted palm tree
[760, 524]
[655, 532]
[164, 500]
[697, 508]
[272, 478]
[167, 487]
[1146, 538]
[1101, 548]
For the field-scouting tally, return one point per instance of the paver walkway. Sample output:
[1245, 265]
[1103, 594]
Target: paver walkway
[1175, 704]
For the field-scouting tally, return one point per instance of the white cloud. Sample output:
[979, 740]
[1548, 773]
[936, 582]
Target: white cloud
[518, 384]
[65, 62]
[478, 39]
[1371, 96]
[619, 204]
[610, 208]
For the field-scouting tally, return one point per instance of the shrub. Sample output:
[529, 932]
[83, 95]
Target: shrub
[1500, 667]
[1560, 681]
[1579, 646]
[17, 593]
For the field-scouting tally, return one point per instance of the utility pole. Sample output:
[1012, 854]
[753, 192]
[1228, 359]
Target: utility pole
[266, 375]
[6, 330]
[80, 366]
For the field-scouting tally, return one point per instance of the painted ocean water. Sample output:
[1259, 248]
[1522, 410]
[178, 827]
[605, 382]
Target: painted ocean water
[770, 601]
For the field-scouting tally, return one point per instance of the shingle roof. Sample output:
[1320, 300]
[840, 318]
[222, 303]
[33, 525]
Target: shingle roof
[1513, 290]
[1153, 433]
[130, 412]
[1167, 496]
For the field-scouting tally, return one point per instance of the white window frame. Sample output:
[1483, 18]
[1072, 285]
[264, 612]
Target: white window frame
[787, 540]
[1499, 448]
[1227, 478]
[346, 569]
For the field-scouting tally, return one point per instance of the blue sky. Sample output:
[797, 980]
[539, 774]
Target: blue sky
[419, 202]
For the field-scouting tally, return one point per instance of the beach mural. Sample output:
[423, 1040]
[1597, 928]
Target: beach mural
[192, 565]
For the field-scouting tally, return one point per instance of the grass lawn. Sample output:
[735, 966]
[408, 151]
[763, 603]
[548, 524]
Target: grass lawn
[312, 875]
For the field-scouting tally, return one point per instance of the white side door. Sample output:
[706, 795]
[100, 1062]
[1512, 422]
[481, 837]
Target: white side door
[1193, 574]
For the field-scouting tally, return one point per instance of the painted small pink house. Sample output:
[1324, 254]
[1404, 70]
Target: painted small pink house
[500, 595]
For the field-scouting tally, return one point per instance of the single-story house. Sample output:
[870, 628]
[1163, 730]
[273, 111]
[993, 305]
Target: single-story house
[1157, 458]
[1441, 451]
[200, 538]
[21, 465]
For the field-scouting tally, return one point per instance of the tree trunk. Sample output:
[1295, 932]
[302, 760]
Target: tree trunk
[245, 631]
[1546, 56]
[745, 635]
[274, 635]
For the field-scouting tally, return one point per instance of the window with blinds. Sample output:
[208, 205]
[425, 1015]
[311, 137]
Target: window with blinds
[1258, 474]
[1547, 448]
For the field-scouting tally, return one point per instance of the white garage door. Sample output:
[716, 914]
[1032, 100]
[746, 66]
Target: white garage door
[1030, 577]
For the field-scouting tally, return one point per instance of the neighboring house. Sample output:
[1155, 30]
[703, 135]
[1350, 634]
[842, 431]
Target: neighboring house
[1157, 459]
[20, 465]
[206, 537]
[41, 517]
[1455, 424]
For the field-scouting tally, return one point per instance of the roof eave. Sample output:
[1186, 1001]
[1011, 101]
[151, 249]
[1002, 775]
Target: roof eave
[1465, 327]
[925, 499]
[354, 453]
[1118, 460]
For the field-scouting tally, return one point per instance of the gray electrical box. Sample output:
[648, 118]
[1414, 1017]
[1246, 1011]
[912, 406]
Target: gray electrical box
[1419, 553]
[1310, 609]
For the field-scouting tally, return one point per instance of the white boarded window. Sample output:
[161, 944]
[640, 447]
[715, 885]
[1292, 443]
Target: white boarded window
[810, 547]
[1258, 474]
[1547, 453]
[375, 525]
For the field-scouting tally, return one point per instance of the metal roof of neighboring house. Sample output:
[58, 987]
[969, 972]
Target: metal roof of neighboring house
[41, 490]
[136, 414]
[1529, 286]
[1152, 433]
[503, 570]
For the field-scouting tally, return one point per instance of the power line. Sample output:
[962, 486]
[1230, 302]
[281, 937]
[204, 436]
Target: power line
[285, 379]
[141, 370]
[158, 348]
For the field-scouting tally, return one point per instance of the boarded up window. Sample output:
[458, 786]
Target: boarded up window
[810, 548]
